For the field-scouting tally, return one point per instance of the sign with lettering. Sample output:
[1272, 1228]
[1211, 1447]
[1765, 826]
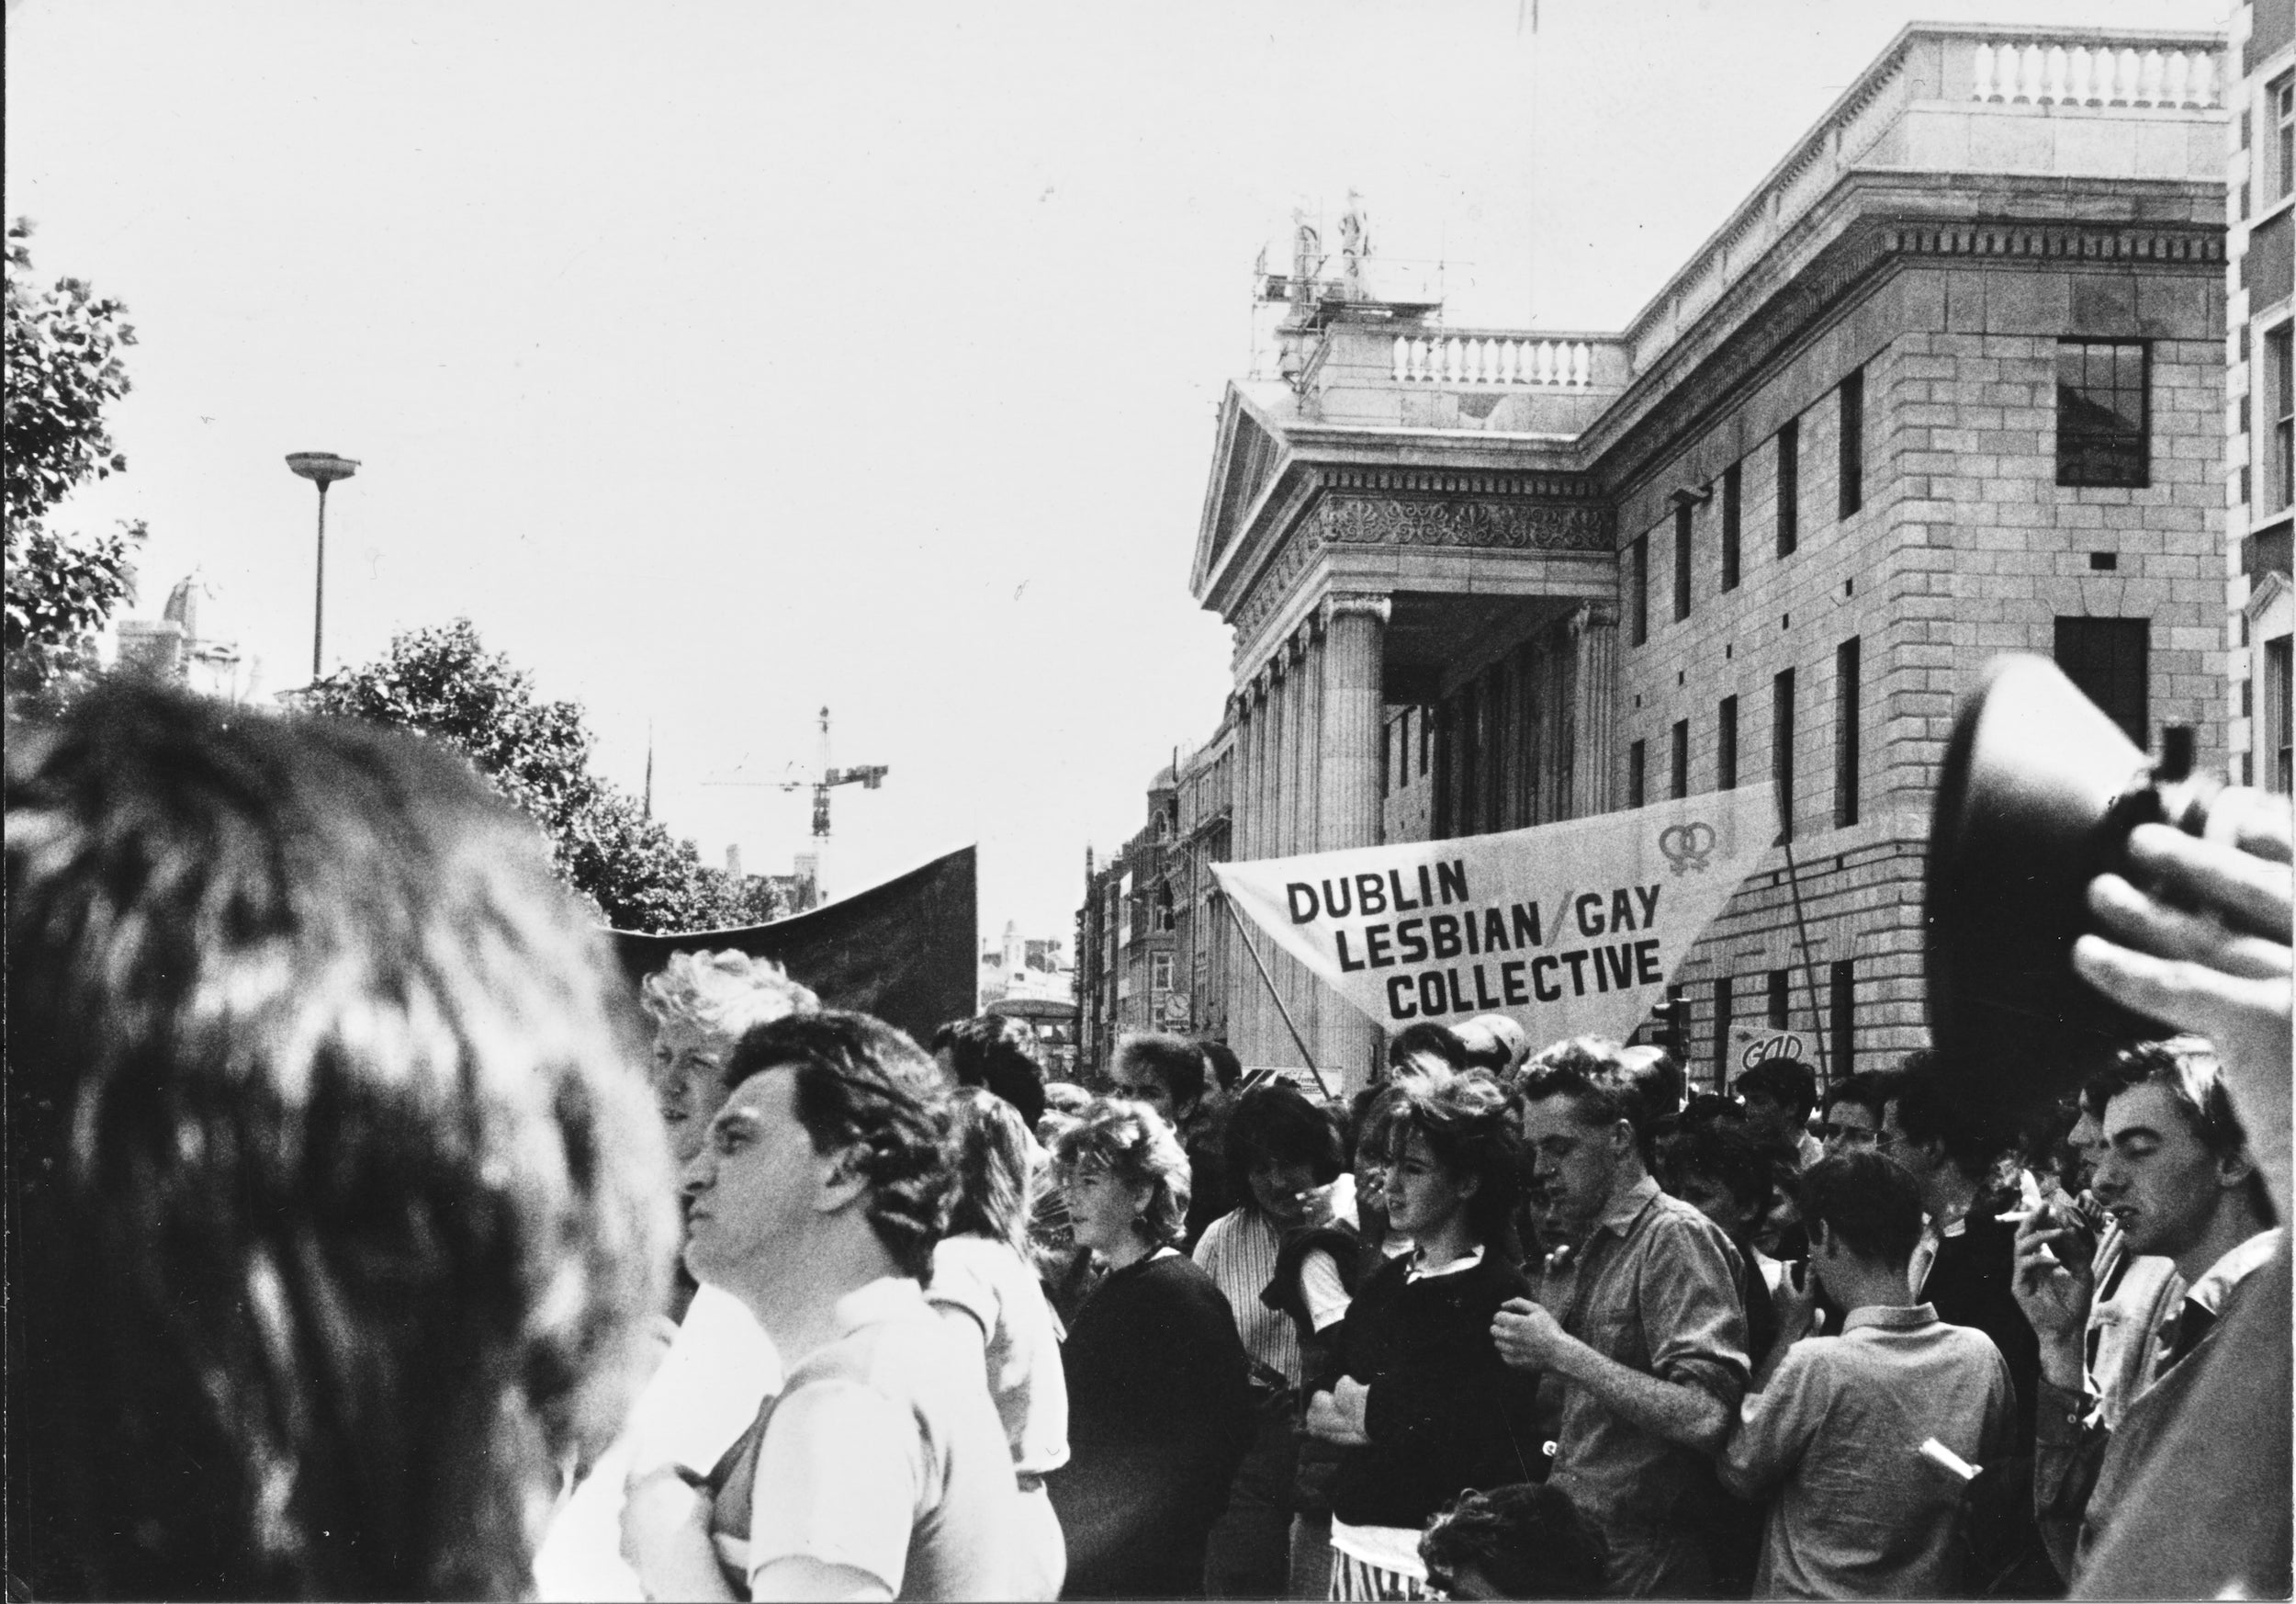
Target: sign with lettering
[1571, 929]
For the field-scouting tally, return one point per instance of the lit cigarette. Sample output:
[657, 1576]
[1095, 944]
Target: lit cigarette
[1945, 1458]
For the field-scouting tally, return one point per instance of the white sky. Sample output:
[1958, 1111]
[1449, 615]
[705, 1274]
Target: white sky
[720, 360]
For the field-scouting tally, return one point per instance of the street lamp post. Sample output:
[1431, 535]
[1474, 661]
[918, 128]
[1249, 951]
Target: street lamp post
[322, 468]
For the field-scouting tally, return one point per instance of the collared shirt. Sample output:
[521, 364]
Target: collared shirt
[1860, 1513]
[2135, 1293]
[2217, 1282]
[2083, 1475]
[1655, 1288]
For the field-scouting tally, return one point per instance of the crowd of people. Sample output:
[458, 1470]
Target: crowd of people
[352, 1256]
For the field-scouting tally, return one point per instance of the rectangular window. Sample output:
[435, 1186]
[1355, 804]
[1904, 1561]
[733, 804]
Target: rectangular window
[1789, 487]
[1782, 749]
[1725, 746]
[2282, 100]
[1778, 981]
[1853, 442]
[1722, 1003]
[1846, 733]
[2110, 660]
[2103, 419]
[2278, 774]
[1160, 972]
[1637, 754]
[1681, 560]
[1678, 778]
[2280, 405]
[1845, 1019]
[1639, 589]
[1426, 739]
[1730, 515]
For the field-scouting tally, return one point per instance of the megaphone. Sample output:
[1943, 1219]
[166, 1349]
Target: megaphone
[2038, 795]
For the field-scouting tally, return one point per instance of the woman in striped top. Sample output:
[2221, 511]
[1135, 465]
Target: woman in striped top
[1286, 1152]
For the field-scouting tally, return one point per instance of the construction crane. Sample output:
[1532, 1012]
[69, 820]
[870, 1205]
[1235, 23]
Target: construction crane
[868, 777]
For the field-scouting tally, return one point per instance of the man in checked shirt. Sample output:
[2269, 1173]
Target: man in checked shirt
[1641, 1321]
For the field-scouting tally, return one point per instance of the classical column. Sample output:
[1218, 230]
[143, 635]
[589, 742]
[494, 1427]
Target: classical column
[1263, 779]
[1282, 727]
[1235, 974]
[1594, 711]
[1306, 991]
[1347, 791]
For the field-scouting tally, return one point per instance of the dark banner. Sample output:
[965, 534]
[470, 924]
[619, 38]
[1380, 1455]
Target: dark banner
[908, 951]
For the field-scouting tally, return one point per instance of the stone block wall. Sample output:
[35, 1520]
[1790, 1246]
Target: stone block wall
[1965, 547]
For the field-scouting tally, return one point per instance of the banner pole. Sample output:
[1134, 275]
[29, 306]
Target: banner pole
[1809, 969]
[1277, 997]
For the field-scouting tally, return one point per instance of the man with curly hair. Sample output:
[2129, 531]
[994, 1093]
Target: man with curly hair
[881, 1469]
[1640, 1319]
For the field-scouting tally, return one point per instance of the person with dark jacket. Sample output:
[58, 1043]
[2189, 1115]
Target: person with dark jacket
[1423, 1405]
[1159, 1406]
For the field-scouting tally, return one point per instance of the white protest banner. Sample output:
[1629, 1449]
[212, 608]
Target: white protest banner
[1571, 929]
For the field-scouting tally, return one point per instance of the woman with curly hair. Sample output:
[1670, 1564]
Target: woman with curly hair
[1159, 1409]
[1423, 1405]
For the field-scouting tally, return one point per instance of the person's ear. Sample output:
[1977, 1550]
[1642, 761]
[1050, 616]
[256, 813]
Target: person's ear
[841, 1180]
[2235, 1168]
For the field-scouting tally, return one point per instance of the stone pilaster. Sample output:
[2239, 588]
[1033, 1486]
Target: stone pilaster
[1595, 710]
[1347, 791]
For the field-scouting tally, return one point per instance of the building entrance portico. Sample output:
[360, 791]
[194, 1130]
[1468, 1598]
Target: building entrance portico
[1355, 586]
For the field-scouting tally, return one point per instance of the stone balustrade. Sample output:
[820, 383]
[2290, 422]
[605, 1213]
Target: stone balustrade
[1459, 357]
[2084, 75]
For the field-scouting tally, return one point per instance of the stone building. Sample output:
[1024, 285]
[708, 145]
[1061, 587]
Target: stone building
[1125, 950]
[1949, 383]
[2260, 404]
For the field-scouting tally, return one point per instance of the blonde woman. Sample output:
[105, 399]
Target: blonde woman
[1159, 1407]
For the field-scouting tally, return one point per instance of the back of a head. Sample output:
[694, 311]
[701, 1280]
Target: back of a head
[1658, 1081]
[1524, 1541]
[1929, 1110]
[719, 995]
[1226, 1067]
[1868, 1201]
[995, 1159]
[864, 1086]
[1429, 1038]
[342, 1211]
[1494, 1043]
[991, 1051]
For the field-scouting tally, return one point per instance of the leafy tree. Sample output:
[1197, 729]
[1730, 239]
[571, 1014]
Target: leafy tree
[444, 683]
[64, 368]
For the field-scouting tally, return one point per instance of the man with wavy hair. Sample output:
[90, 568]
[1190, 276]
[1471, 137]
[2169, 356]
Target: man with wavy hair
[881, 1469]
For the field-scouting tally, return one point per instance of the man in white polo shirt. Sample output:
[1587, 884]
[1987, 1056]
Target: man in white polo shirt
[881, 1471]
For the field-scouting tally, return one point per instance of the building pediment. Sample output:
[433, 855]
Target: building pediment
[1245, 460]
